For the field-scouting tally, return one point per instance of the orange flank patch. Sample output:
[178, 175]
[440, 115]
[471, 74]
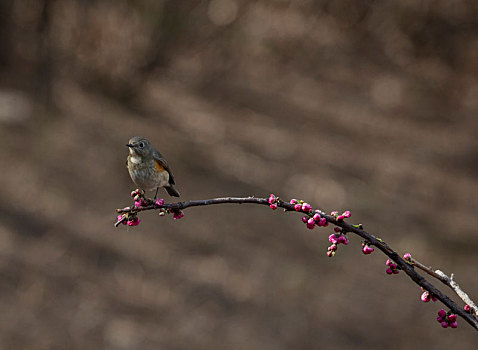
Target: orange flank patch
[158, 166]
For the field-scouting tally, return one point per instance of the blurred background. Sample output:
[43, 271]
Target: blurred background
[369, 106]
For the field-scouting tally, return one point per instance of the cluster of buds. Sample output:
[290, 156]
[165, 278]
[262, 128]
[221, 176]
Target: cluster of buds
[366, 249]
[313, 219]
[159, 202]
[427, 296]
[346, 214]
[300, 205]
[273, 200]
[129, 219]
[392, 267]
[177, 214]
[336, 238]
[138, 197]
[447, 319]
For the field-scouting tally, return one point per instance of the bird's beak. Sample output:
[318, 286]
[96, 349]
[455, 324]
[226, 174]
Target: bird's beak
[129, 145]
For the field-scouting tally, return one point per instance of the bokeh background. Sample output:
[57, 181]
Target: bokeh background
[369, 106]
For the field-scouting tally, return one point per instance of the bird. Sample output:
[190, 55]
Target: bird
[147, 167]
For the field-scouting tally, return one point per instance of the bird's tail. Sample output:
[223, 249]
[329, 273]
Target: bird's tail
[172, 191]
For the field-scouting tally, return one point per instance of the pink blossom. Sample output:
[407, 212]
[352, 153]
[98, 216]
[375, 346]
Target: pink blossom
[133, 222]
[343, 240]
[389, 271]
[407, 257]
[178, 215]
[337, 229]
[138, 203]
[444, 324]
[340, 217]
[425, 297]
[334, 213]
[453, 324]
[333, 247]
[273, 206]
[304, 219]
[330, 253]
[388, 262]
[333, 238]
[293, 201]
[159, 201]
[323, 222]
[306, 207]
[298, 207]
[442, 313]
[272, 199]
[467, 308]
[440, 319]
[452, 317]
[395, 272]
[367, 250]
[316, 217]
[347, 214]
[310, 226]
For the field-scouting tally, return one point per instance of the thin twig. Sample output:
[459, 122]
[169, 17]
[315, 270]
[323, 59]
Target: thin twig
[449, 281]
[371, 239]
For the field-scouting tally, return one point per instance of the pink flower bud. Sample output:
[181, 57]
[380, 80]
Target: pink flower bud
[316, 217]
[134, 222]
[343, 240]
[310, 226]
[178, 216]
[330, 253]
[444, 324]
[273, 206]
[389, 271]
[293, 201]
[454, 324]
[367, 250]
[334, 213]
[159, 201]
[440, 319]
[311, 221]
[305, 219]
[442, 313]
[388, 262]
[333, 247]
[333, 238]
[425, 297]
[467, 308]
[323, 222]
[347, 214]
[337, 229]
[306, 207]
[298, 207]
[393, 266]
[138, 204]
[272, 199]
[434, 298]
[340, 217]
[407, 256]
[452, 317]
[395, 272]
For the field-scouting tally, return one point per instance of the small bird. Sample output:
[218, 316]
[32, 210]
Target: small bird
[147, 167]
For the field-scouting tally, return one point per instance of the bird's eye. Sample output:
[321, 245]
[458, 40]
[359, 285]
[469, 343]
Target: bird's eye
[141, 145]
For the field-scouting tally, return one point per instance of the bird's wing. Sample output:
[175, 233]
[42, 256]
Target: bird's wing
[160, 162]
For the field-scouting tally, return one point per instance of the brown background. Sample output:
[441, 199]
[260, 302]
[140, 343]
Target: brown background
[369, 106]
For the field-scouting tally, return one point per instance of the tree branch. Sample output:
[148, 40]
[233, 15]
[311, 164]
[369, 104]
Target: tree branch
[371, 240]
